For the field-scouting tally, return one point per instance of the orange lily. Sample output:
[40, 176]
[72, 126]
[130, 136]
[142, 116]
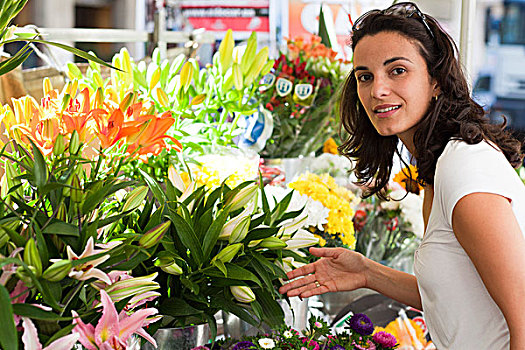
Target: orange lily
[77, 115]
[151, 138]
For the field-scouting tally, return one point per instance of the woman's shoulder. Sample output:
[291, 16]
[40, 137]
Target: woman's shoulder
[459, 154]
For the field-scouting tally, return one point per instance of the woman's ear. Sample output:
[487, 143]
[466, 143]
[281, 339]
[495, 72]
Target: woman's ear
[436, 88]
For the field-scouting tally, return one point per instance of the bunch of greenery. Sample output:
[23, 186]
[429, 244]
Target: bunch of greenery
[221, 252]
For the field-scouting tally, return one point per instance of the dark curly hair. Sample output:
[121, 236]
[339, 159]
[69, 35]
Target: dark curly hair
[454, 115]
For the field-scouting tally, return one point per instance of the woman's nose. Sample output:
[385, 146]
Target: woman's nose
[380, 87]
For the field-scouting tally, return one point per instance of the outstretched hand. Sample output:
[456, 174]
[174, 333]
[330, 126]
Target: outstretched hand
[339, 269]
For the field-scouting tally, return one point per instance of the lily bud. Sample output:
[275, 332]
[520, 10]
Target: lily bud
[154, 236]
[244, 196]
[243, 294]
[226, 52]
[65, 100]
[32, 257]
[60, 145]
[302, 239]
[162, 98]
[230, 226]
[272, 243]
[240, 231]
[76, 192]
[73, 72]
[74, 143]
[197, 100]
[155, 77]
[58, 271]
[228, 253]
[135, 198]
[10, 177]
[186, 76]
[22, 275]
[132, 286]
[48, 87]
[258, 62]
[127, 101]
[172, 269]
[249, 53]
[238, 80]
[62, 212]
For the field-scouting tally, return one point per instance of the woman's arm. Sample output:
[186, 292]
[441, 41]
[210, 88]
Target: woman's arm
[341, 269]
[488, 231]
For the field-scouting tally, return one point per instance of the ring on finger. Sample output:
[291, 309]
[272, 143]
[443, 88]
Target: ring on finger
[317, 284]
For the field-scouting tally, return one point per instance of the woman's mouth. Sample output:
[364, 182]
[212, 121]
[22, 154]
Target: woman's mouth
[386, 111]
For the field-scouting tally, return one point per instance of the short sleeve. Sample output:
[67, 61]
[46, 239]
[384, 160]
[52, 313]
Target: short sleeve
[463, 169]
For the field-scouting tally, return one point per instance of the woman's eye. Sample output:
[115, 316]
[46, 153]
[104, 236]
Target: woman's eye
[398, 71]
[364, 77]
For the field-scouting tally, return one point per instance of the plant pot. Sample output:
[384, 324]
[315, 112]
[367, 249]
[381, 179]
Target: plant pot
[236, 328]
[184, 338]
[335, 302]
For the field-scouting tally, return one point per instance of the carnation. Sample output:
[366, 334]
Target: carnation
[385, 339]
[361, 324]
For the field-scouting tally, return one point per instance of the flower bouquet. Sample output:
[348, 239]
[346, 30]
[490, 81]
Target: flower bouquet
[301, 93]
[359, 334]
[63, 200]
[337, 230]
[389, 231]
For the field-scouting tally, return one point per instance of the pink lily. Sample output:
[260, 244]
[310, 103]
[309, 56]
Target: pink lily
[9, 269]
[87, 270]
[31, 342]
[112, 330]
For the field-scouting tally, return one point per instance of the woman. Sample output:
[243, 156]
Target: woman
[407, 85]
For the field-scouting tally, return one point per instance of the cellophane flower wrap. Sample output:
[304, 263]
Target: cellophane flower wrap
[301, 93]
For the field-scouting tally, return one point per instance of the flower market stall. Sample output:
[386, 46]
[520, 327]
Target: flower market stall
[145, 201]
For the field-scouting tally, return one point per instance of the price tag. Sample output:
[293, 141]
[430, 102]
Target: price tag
[283, 87]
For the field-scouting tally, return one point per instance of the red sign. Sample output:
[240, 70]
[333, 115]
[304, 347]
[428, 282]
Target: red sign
[218, 16]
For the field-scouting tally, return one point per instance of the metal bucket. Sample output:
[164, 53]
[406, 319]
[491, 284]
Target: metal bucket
[184, 338]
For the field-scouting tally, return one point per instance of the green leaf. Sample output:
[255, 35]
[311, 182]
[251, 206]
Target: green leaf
[61, 333]
[220, 265]
[15, 61]
[187, 236]
[40, 171]
[211, 236]
[263, 273]
[235, 272]
[231, 307]
[61, 228]
[154, 187]
[34, 312]
[273, 314]
[8, 334]
[261, 233]
[177, 307]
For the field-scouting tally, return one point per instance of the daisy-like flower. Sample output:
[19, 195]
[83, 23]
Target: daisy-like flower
[361, 324]
[287, 334]
[318, 325]
[87, 270]
[266, 343]
[385, 339]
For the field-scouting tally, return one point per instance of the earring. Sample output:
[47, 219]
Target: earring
[436, 98]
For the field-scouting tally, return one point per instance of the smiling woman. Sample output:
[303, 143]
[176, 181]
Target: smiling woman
[407, 85]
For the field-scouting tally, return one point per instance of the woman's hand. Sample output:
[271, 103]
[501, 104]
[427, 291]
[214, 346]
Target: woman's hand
[339, 269]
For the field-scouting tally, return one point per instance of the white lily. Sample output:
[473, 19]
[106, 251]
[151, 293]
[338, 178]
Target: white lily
[301, 239]
[87, 270]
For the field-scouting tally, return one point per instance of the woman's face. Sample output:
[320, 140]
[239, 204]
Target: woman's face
[393, 83]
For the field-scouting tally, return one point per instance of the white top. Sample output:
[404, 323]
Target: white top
[459, 311]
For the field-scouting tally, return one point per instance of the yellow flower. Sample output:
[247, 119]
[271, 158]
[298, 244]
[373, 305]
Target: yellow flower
[324, 189]
[322, 241]
[407, 179]
[330, 146]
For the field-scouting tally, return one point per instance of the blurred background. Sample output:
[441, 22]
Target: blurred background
[490, 33]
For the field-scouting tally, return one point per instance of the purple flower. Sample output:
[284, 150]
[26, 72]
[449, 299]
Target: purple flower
[385, 339]
[244, 345]
[361, 324]
[337, 347]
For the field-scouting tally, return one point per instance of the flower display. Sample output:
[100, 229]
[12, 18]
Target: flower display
[358, 334]
[339, 228]
[301, 94]
[390, 231]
